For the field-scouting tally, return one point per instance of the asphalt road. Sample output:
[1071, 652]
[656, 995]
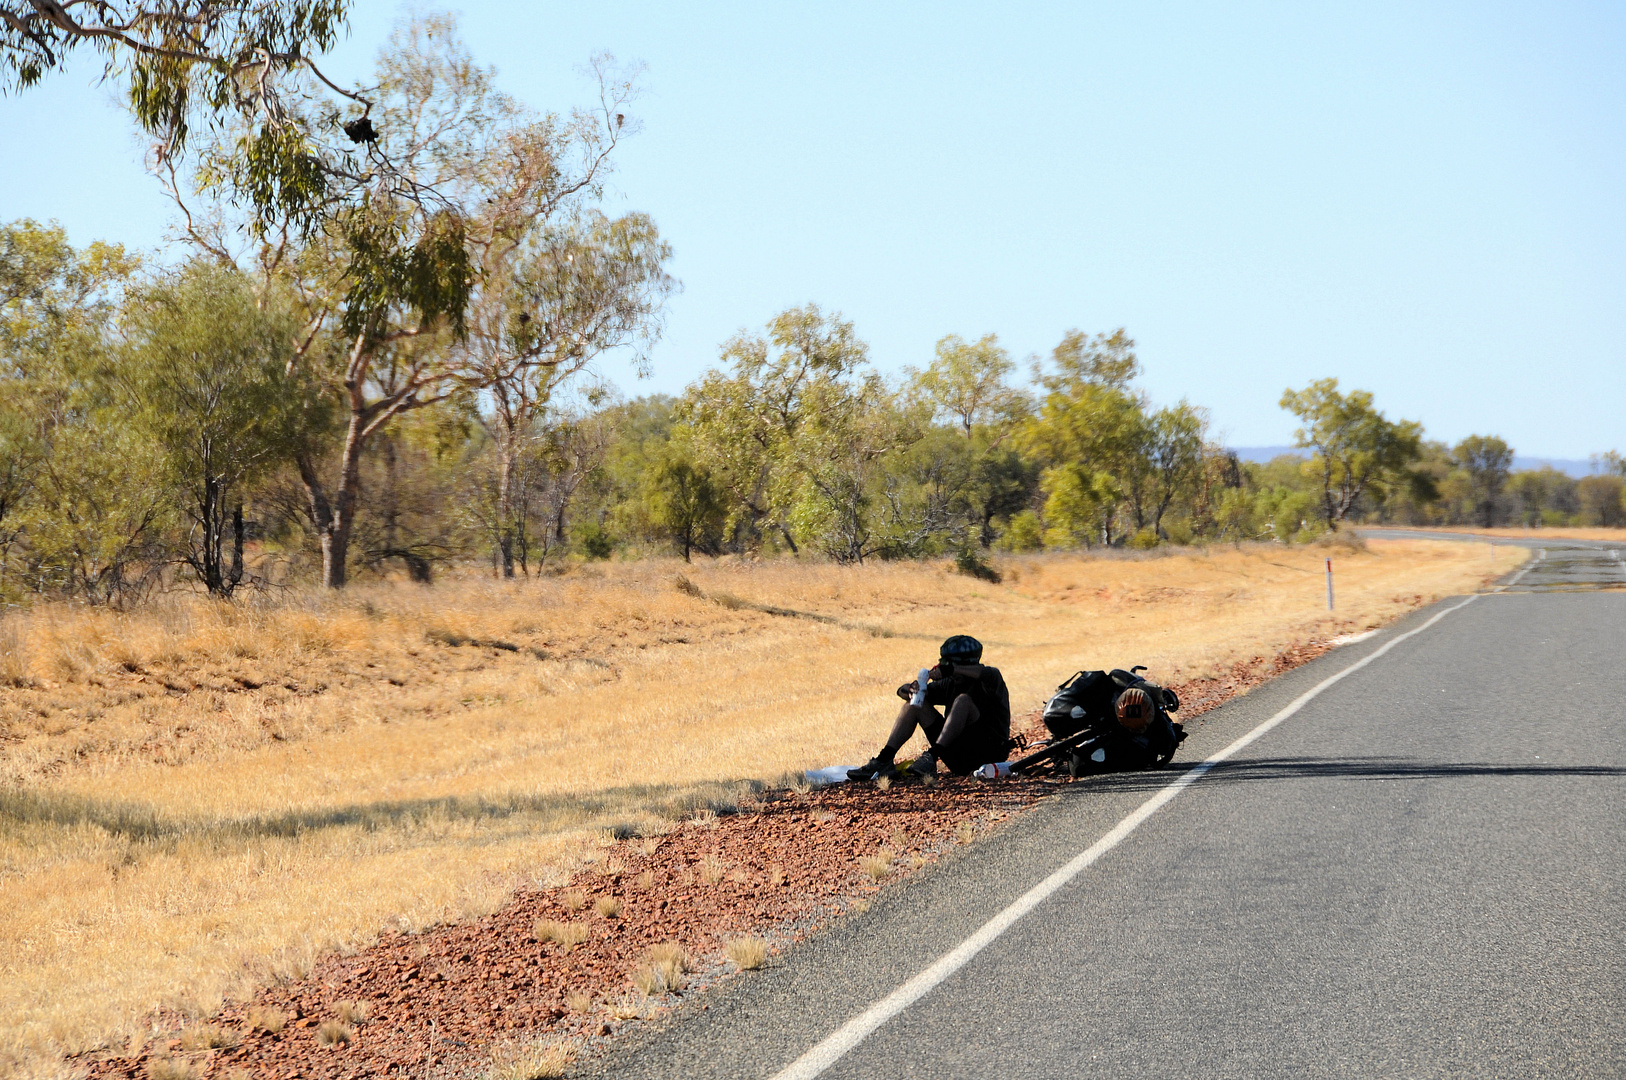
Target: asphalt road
[1419, 874]
[1560, 564]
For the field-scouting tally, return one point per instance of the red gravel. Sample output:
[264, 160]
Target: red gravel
[445, 1000]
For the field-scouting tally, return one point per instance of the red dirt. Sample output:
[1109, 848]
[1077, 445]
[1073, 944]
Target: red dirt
[447, 1000]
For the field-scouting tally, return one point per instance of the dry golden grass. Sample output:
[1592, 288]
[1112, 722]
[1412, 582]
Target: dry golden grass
[267, 1020]
[608, 906]
[747, 953]
[539, 1061]
[197, 798]
[207, 1037]
[353, 1012]
[568, 935]
[662, 969]
[579, 1001]
[710, 869]
[878, 865]
[171, 1068]
[333, 1033]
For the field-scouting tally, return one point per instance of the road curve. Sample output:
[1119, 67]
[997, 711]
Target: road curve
[1418, 874]
[1560, 564]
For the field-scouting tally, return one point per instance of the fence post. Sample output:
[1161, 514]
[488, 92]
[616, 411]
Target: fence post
[1329, 584]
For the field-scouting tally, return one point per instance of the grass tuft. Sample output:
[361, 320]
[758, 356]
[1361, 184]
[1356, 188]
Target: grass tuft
[207, 1037]
[645, 881]
[573, 899]
[169, 1068]
[662, 969]
[965, 832]
[579, 1001]
[608, 906]
[13, 654]
[878, 865]
[747, 953]
[267, 1020]
[541, 1061]
[629, 1006]
[353, 1012]
[333, 1033]
[565, 934]
[711, 869]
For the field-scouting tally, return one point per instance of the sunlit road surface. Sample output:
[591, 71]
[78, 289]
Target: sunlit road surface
[1420, 873]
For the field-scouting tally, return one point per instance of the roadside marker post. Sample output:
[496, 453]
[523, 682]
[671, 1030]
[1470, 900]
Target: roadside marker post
[1329, 584]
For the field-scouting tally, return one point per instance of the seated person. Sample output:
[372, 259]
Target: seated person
[976, 728]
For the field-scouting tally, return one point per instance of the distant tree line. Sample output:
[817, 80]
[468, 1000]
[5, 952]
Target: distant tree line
[381, 357]
[163, 426]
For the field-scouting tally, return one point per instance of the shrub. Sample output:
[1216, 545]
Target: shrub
[969, 561]
[1023, 533]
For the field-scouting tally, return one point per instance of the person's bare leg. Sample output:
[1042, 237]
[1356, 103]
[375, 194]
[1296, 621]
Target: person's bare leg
[961, 715]
[909, 718]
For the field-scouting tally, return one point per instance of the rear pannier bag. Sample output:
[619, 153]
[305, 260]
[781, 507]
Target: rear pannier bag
[1083, 701]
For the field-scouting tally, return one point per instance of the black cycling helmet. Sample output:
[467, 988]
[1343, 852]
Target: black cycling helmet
[961, 649]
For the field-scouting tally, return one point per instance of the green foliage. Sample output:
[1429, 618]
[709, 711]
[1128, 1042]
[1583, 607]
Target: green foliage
[1355, 448]
[969, 561]
[1024, 532]
[1144, 539]
[206, 381]
[967, 383]
[1601, 502]
[684, 505]
[392, 266]
[592, 538]
[1486, 460]
[795, 433]
[76, 500]
[1079, 505]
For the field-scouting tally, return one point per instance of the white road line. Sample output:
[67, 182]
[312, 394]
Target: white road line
[1529, 566]
[854, 1031]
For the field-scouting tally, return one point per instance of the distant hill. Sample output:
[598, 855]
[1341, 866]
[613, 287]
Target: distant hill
[1569, 466]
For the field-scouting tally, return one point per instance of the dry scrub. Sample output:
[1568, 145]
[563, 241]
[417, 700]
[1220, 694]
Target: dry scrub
[197, 797]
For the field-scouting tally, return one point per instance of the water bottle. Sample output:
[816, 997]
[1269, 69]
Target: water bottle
[994, 770]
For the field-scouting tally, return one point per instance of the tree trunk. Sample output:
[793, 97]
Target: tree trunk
[236, 578]
[505, 502]
[333, 518]
[213, 538]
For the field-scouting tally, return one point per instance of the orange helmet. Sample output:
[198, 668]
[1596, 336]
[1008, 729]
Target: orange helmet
[1133, 708]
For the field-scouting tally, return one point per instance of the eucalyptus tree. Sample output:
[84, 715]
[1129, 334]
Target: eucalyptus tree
[1088, 432]
[1174, 454]
[1355, 448]
[794, 429]
[56, 306]
[206, 378]
[1488, 462]
[422, 192]
[543, 311]
[968, 382]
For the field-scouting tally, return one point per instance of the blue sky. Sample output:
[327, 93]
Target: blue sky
[1425, 200]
